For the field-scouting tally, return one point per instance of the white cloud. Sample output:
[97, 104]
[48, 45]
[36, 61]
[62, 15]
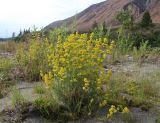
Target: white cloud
[16, 14]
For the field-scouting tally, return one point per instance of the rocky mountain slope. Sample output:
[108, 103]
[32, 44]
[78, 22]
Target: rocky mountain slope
[106, 12]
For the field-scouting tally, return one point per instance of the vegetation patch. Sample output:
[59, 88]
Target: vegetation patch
[77, 72]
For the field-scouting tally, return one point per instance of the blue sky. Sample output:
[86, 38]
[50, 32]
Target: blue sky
[20, 14]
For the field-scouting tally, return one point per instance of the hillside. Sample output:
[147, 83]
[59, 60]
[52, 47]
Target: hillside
[106, 12]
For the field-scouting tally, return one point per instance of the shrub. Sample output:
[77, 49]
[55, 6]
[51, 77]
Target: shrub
[6, 66]
[32, 58]
[125, 18]
[141, 53]
[154, 39]
[53, 34]
[76, 73]
[146, 19]
[125, 41]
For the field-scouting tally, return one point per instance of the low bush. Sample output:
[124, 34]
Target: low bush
[32, 57]
[141, 53]
[77, 80]
[6, 66]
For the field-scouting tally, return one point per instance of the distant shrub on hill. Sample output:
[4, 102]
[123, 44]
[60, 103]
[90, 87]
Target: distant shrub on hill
[146, 19]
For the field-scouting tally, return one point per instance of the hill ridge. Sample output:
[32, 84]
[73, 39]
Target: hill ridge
[106, 11]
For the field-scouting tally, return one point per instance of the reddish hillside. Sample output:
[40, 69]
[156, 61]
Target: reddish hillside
[106, 12]
[155, 12]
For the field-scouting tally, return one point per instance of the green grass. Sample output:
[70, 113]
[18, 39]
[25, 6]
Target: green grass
[133, 89]
[39, 89]
[17, 97]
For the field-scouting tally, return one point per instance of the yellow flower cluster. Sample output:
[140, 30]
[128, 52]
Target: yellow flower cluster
[47, 78]
[77, 62]
[112, 45]
[86, 84]
[99, 84]
[125, 110]
[112, 110]
[33, 49]
[76, 72]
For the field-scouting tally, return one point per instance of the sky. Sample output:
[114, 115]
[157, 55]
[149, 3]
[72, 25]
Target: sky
[22, 14]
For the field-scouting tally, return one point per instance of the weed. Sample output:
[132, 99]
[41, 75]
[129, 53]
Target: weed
[39, 89]
[17, 97]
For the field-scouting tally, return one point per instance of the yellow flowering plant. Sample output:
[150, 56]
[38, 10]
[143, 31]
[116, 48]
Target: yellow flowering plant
[76, 72]
[31, 57]
[114, 109]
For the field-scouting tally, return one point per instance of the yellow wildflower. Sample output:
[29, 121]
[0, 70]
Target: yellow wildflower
[86, 84]
[61, 72]
[112, 110]
[46, 80]
[108, 51]
[125, 110]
